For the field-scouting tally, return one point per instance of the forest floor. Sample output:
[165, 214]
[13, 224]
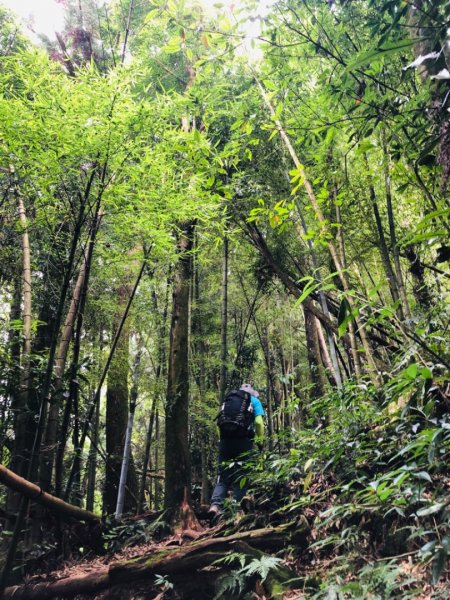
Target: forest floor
[212, 565]
[160, 587]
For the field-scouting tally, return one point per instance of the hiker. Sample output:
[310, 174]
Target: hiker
[240, 423]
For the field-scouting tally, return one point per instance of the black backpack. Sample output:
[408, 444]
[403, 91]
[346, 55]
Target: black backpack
[236, 415]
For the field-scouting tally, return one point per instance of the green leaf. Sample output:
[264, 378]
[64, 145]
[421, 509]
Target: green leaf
[438, 564]
[152, 14]
[430, 510]
[307, 291]
[384, 50]
[345, 316]
[411, 371]
[423, 475]
[426, 373]
[307, 481]
[428, 547]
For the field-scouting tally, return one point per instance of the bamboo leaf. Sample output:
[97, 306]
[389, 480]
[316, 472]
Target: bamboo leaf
[384, 50]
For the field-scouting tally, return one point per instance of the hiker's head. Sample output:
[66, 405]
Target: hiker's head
[248, 388]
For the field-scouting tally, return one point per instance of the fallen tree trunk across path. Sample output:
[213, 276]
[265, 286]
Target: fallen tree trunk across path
[189, 559]
[36, 494]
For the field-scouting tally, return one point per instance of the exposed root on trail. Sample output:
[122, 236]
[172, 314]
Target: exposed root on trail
[195, 558]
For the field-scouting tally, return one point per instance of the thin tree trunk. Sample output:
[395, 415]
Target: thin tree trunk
[293, 287]
[147, 453]
[384, 251]
[324, 352]
[92, 462]
[13, 380]
[420, 287]
[322, 297]
[21, 396]
[393, 235]
[269, 387]
[224, 322]
[26, 288]
[157, 497]
[314, 359]
[340, 231]
[129, 431]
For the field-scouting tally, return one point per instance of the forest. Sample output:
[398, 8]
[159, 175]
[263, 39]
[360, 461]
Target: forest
[199, 195]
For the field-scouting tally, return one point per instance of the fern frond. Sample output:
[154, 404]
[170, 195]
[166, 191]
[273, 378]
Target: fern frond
[262, 566]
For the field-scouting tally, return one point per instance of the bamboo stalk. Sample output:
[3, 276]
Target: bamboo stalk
[331, 247]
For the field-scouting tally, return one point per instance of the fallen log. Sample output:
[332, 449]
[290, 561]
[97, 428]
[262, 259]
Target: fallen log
[189, 559]
[36, 494]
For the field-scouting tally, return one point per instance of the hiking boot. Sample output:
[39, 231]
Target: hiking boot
[214, 513]
[247, 504]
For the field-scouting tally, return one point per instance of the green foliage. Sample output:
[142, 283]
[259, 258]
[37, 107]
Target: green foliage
[365, 465]
[374, 475]
[163, 582]
[233, 584]
[133, 532]
[381, 581]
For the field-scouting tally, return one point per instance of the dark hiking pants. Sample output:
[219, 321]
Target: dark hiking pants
[232, 455]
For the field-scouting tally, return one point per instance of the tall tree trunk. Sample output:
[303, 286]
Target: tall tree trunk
[326, 360]
[147, 453]
[78, 303]
[177, 457]
[340, 231]
[26, 288]
[20, 408]
[284, 387]
[200, 348]
[8, 408]
[117, 407]
[323, 299]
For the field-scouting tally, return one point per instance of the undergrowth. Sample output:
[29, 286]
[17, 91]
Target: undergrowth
[373, 483]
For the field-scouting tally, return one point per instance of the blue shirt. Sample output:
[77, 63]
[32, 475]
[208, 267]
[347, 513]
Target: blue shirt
[258, 410]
